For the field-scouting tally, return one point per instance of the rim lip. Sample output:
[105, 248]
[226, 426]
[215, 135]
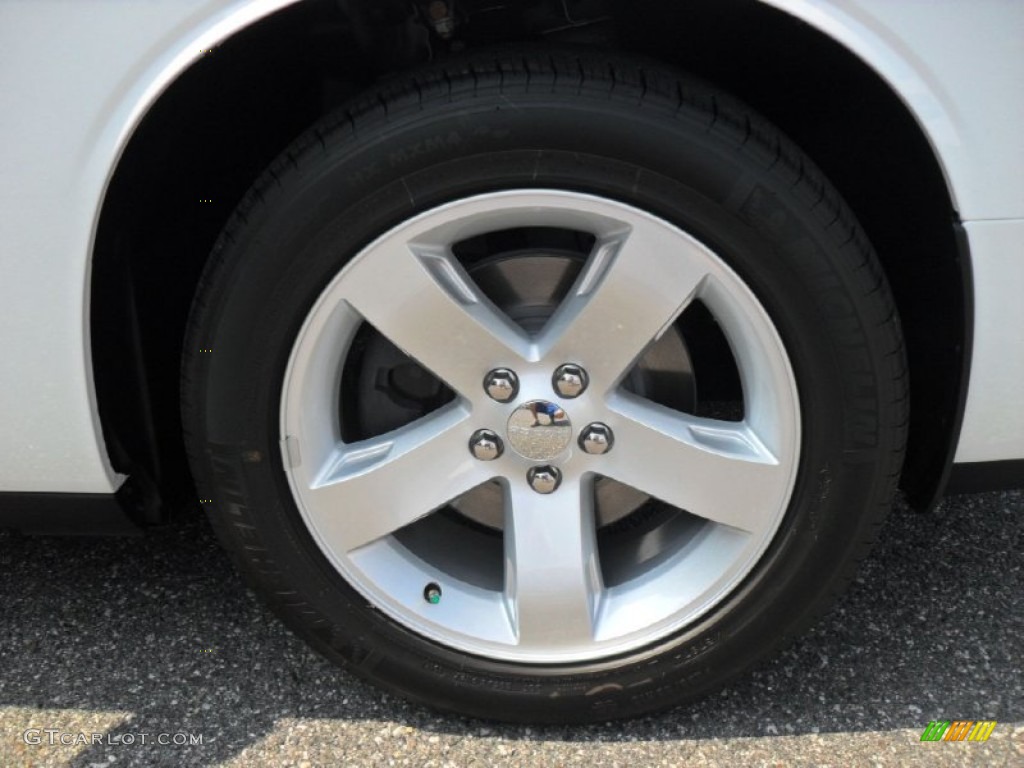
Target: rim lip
[415, 620]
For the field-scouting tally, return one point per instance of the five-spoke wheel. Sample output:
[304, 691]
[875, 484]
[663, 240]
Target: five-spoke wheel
[521, 409]
[549, 388]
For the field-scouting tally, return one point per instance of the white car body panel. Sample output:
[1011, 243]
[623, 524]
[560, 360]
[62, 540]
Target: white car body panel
[77, 78]
[959, 67]
[993, 427]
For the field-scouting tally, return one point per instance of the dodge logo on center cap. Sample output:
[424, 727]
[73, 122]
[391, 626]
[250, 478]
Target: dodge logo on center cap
[539, 430]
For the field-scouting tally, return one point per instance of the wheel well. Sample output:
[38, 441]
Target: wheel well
[208, 137]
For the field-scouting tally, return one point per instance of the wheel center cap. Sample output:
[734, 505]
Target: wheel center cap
[539, 430]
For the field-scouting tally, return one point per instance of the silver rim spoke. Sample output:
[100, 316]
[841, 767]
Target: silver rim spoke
[530, 580]
[552, 577]
[372, 488]
[417, 294]
[643, 269]
[717, 470]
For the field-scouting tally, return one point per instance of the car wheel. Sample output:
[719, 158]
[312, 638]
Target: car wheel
[545, 388]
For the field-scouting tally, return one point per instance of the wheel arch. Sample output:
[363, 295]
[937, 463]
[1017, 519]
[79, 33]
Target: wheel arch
[893, 62]
[206, 128]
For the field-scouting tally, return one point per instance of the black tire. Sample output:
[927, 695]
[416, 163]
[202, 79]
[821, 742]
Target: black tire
[615, 128]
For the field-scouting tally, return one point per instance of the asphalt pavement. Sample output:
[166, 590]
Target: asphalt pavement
[149, 651]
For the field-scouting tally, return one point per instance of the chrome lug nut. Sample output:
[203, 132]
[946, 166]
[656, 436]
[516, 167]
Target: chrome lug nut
[544, 479]
[501, 384]
[596, 438]
[569, 380]
[486, 445]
